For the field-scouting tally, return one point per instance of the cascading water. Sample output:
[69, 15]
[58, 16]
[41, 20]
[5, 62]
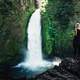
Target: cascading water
[33, 59]
[34, 39]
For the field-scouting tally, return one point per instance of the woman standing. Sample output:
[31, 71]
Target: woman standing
[76, 41]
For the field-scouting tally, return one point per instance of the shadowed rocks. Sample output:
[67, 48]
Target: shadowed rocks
[68, 70]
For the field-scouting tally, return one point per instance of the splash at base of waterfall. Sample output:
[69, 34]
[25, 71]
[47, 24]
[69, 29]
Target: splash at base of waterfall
[39, 66]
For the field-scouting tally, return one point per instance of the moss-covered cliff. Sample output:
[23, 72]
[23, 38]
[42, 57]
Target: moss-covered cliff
[58, 22]
[14, 16]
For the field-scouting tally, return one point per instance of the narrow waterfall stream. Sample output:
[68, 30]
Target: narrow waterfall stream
[34, 39]
[33, 56]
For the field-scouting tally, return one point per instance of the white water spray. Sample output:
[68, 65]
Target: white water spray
[33, 59]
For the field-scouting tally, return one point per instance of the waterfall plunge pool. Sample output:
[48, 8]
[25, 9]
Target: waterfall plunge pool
[31, 70]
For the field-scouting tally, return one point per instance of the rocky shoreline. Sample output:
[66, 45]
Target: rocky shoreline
[69, 69]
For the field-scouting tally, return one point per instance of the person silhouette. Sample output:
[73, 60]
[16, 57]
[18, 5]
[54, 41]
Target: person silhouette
[76, 41]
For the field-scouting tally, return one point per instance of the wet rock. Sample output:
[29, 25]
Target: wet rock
[68, 70]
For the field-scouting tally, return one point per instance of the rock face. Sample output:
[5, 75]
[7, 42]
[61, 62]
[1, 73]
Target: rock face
[69, 69]
[14, 16]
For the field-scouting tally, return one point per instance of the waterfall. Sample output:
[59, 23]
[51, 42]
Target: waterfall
[33, 56]
[34, 38]
[34, 52]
